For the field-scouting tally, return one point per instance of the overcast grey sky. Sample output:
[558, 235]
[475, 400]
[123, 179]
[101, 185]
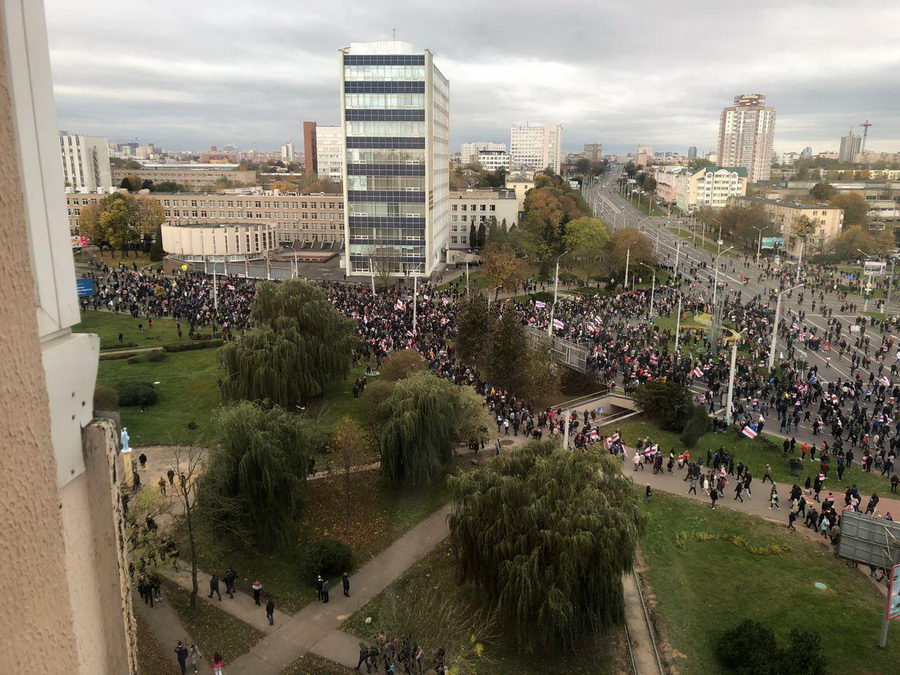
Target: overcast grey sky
[187, 75]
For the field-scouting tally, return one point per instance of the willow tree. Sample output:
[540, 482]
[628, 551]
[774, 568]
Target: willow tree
[546, 536]
[300, 344]
[418, 428]
[254, 473]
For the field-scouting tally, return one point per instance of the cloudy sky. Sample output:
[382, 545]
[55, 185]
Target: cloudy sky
[187, 75]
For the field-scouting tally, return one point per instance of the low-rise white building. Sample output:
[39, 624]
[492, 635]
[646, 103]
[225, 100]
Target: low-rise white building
[85, 161]
[474, 207]
[710, 186]
[468, 152]
[219, 241]
[491, 160]
[535, 147]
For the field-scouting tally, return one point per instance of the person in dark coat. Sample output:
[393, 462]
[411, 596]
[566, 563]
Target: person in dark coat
[182, 653]
[325, 590]
[270, 611]
[214, 586]
[346, 582]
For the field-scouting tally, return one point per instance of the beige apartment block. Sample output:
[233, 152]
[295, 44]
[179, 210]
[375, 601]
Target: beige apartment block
[479, 206]
[829, 221]
[191, 176]
[317, 218]
[62, 556]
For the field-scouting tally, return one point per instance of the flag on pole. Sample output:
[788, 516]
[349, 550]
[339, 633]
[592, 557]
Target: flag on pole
[748, 432]
[886, 382]
[399, 305]
[539, 305]
[558, 324]
[697, 372]
[614, 437]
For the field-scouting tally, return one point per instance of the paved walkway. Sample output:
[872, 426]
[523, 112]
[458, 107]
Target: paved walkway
[241, 606]
[756, 504]
[167, 629]
[315, 623]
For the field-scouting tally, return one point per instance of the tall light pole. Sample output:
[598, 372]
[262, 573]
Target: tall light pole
[716, 282]
[775, 325]
[719, 238]
[678, 245]
[652, 287]
[372, 271]
[415, 301]
[678, 320]
[887, 306]
[627, 261]
[555, 292]
[865, 257]
[759, 242]
[736, 338]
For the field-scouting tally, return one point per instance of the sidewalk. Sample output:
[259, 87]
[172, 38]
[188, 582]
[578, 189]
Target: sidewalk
[756, 505]
[241, 606]
[167, 629]
[317, 621]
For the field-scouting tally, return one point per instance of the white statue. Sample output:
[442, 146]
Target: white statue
[124, 438]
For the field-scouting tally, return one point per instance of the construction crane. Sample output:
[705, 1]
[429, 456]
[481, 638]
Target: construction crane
[865, 125]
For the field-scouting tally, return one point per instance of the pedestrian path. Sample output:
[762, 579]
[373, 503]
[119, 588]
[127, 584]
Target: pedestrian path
[241, 606]
[167, 629]
[317, 621]
[756, 504]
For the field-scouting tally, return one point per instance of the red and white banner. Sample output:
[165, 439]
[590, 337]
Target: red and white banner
[748, 432]
[558, 324]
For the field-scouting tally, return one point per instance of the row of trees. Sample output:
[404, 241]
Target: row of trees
[120, 221]
[853, 203]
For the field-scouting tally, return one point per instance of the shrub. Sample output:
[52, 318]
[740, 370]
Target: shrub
[751, 648]
[401, 364]
[696, 426]
[133, 359]
[106, 398]
[668, 403]
[328, 557]
[136, 393]
[199, 344]
[156, 355]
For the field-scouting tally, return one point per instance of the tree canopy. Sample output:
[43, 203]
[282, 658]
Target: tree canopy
[641, 251]
[254, 473]
[823, 191]
[666, 402]
[119, 220]
[502, 267]
[473, 321]
[586, 241]
[300, 344]
[546, 536]
[855, 208]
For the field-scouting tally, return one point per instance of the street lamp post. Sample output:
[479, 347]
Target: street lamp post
[716, 282]
[555, 292]
[627, 261]
[736, 338]
[719, 238]
[775, 324]
[866, 255]
[759, 242]
[678, 321]
[415, 302]
[887, 306]
[652, 288]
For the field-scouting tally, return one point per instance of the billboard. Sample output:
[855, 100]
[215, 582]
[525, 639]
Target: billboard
[869, 540]
[874, 268]
[772, 242]
[893, 607]
[85, 287]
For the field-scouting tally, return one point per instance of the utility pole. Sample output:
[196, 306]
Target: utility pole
[775, 324]
[716, 282]
[415, 301]
[372, 271]
[627, 262]
[555, 291]
[565, 444]
[678, 321]
[736, 338]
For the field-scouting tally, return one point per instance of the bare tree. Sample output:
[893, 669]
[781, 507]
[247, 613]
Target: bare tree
[349, 446]
[188, 466]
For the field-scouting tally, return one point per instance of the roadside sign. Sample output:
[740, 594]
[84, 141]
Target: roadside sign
[875, 267]
[777, 259]
[85, 287]
[893, 605]
[772, 242]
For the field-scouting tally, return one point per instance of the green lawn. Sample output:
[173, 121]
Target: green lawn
[213, 629]
[432, 582]
[756, 453]
[108, 326]
[380, 513]
[703, 588]
[188, 393]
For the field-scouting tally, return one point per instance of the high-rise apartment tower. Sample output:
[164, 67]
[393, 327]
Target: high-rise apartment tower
[746, 135]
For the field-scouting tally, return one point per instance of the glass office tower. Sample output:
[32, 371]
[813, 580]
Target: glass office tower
[395, 107]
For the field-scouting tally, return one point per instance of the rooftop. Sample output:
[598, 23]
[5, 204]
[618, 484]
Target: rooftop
[789, 203]
[483, 194]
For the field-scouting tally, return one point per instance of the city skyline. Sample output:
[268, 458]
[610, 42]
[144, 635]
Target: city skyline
[238, 75]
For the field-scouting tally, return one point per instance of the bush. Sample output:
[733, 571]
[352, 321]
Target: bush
[136, 393]
[199, 344]
[751, 648]
[695, 427]
[401, 364]
[133, 359]
[329, 557]
[156, 355]
[106, 398]
[667, 403]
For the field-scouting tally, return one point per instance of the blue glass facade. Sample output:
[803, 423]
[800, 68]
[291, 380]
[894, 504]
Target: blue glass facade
[388, 114]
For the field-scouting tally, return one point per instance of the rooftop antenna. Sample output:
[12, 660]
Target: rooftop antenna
[865, 125]
[394, 32]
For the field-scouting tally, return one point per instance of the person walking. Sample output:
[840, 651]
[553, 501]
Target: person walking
[714, 495]
[218, 664]
[738, 488]
[195, 658]
[693, 487]
[229, 579]
[773, 498]
[270, 611]
[257, 590]
[325, 590]
[363, 656]
[648, 494]
[319, 582]
[181, 652]
[214, 586]
[345, 580]
[792, 516]
[768, 475]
